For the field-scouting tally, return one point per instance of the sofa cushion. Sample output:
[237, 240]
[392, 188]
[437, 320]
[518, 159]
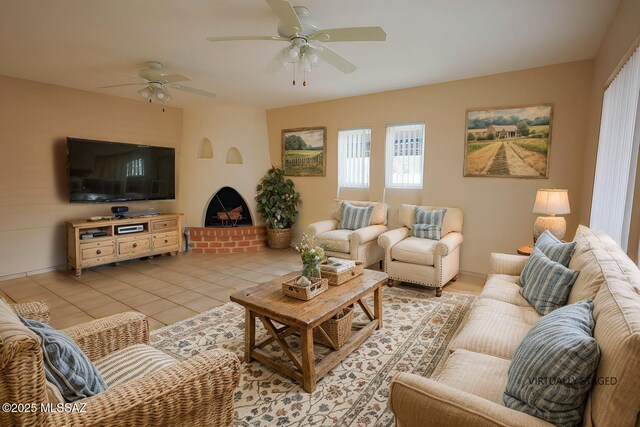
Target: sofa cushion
[132, 362]
[378, 216]
[614, 399]
[554, 249]
[335, 240]
[428, 224]
[452, 220]
[495, 328]
[65, 365]
[552, 370]
[414, 250]
[476, 373]
[546, 283]
[503, 287]
[354, 217]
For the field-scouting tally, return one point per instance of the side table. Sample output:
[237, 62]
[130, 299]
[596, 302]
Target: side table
[525, 250]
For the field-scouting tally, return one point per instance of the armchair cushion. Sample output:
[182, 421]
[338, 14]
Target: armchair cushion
[428, 223]
[415, 250]
[354, 217]
[452, 220]
[65, 365]
[378, 216]
[335, 240]
[132, 362]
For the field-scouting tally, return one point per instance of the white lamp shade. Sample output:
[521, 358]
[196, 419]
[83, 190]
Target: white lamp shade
[552, 202]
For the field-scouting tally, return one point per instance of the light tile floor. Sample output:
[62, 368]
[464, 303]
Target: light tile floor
[167, 289]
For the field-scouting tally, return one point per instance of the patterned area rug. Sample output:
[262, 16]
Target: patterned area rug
[417, 330]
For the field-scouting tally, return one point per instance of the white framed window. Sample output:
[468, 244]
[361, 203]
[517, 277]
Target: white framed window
[354, 155]
[404, 155]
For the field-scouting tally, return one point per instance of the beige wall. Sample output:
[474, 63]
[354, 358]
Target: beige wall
[35, 119]
[224, 127]
[497, 211]
[623, 31]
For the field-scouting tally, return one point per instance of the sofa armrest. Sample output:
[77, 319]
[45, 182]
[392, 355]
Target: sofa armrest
[449, 243]
[507, 264]
[417, 401]
[323, 226]
[195, 391]
[366, 234]
[34, 310]
[390, 238]
[101, 337]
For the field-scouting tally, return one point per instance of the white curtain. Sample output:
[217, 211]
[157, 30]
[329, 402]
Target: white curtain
[354, 153]
[617, 154]
[405, 156]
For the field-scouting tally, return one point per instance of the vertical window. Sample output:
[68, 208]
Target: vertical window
[405, 156]
[135, 167]
[354, 153]
[613, 187]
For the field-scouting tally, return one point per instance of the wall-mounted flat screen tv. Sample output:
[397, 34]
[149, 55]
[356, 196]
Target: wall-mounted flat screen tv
[101, 171]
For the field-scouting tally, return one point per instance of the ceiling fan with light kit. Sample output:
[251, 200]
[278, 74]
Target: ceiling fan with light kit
[306, 40]
[157, 82]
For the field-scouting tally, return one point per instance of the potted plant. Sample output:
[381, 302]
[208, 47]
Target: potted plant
[277, 202]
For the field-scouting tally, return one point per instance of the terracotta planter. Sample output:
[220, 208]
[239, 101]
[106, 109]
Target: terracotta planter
[279, 238]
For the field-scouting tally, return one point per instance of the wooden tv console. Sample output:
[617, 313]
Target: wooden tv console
[152, 235]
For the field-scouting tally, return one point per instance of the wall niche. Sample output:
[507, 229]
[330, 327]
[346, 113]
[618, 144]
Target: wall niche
[234, 156]
[205, 149]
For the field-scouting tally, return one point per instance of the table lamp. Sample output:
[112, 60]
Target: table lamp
[551, 202]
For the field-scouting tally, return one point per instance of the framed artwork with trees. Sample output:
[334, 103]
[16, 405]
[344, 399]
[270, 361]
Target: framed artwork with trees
[508, 142]
[304, 151]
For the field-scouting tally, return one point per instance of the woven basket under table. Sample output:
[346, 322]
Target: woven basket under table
[337, 331]
[337, 279]
[305, 293]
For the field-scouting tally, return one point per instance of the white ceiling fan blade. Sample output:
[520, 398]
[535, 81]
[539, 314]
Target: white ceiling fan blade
[192, 90]
[125, 84]
[286, 15]
[173, 78]
[234, 38]
[277, 62]
[337, 60]
[354, 34]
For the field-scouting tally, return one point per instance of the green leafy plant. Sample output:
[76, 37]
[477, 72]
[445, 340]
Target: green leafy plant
[277, 199]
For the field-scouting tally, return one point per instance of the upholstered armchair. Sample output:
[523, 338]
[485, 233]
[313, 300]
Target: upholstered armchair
[358, 245]
[197, 391]
[422, 261]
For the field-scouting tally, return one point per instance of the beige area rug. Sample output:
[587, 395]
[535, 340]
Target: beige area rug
[417, 330]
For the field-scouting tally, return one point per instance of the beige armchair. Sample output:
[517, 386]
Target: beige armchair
[194, 392]
[358, 245]
[423, 261]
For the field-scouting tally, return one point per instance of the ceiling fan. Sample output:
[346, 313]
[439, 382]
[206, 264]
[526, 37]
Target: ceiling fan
[156, 82]
[305, 40]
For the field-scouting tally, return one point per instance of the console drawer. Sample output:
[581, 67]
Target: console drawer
[133, 245]
[97, 249]
[161, 240]
[167, 224]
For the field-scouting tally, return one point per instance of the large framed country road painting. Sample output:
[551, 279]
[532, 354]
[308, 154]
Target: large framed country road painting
[508, 142]
[304, 151]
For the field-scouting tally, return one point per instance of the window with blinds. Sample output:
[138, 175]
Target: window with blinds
[354, 153]
[405, 156]
[616, 164]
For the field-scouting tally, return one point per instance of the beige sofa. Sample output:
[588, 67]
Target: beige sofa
[432, 263]
[470, 387]
[358, 245]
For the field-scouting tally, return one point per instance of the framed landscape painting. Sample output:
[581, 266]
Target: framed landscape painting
[511, 142]
[304, 151]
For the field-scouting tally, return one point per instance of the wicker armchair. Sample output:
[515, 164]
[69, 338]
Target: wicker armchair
[194, 392]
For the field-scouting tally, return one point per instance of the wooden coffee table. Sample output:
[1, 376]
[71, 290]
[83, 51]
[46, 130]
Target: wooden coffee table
[270, 305]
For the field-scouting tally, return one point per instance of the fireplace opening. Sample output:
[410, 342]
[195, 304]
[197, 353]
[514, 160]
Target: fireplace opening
[227, 208]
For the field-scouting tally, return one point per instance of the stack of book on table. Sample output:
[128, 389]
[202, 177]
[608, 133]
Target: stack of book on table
[337, 265]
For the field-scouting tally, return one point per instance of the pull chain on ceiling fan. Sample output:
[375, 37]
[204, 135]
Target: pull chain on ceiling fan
[306, 41]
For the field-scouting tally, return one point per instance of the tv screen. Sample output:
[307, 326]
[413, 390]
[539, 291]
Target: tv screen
[101, 171]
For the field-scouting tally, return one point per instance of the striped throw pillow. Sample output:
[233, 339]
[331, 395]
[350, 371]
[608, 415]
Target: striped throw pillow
[552, 369]
[354, 217]
[546, 283]
[428, 224]
[65, 365]
[555, 249]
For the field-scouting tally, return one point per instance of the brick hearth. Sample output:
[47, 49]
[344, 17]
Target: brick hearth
[227, 240]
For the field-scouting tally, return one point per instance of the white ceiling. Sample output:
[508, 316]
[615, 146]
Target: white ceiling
[78, 43]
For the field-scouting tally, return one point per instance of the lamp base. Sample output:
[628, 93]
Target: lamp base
[556, 225]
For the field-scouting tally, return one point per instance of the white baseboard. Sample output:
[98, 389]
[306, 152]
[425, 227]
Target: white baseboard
[32, 272]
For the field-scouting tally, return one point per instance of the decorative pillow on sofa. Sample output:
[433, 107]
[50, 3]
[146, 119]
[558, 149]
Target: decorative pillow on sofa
[354, 217]
[428, 224]
[555, 249]
[546, 283]
[65, 365]
[552, 370]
